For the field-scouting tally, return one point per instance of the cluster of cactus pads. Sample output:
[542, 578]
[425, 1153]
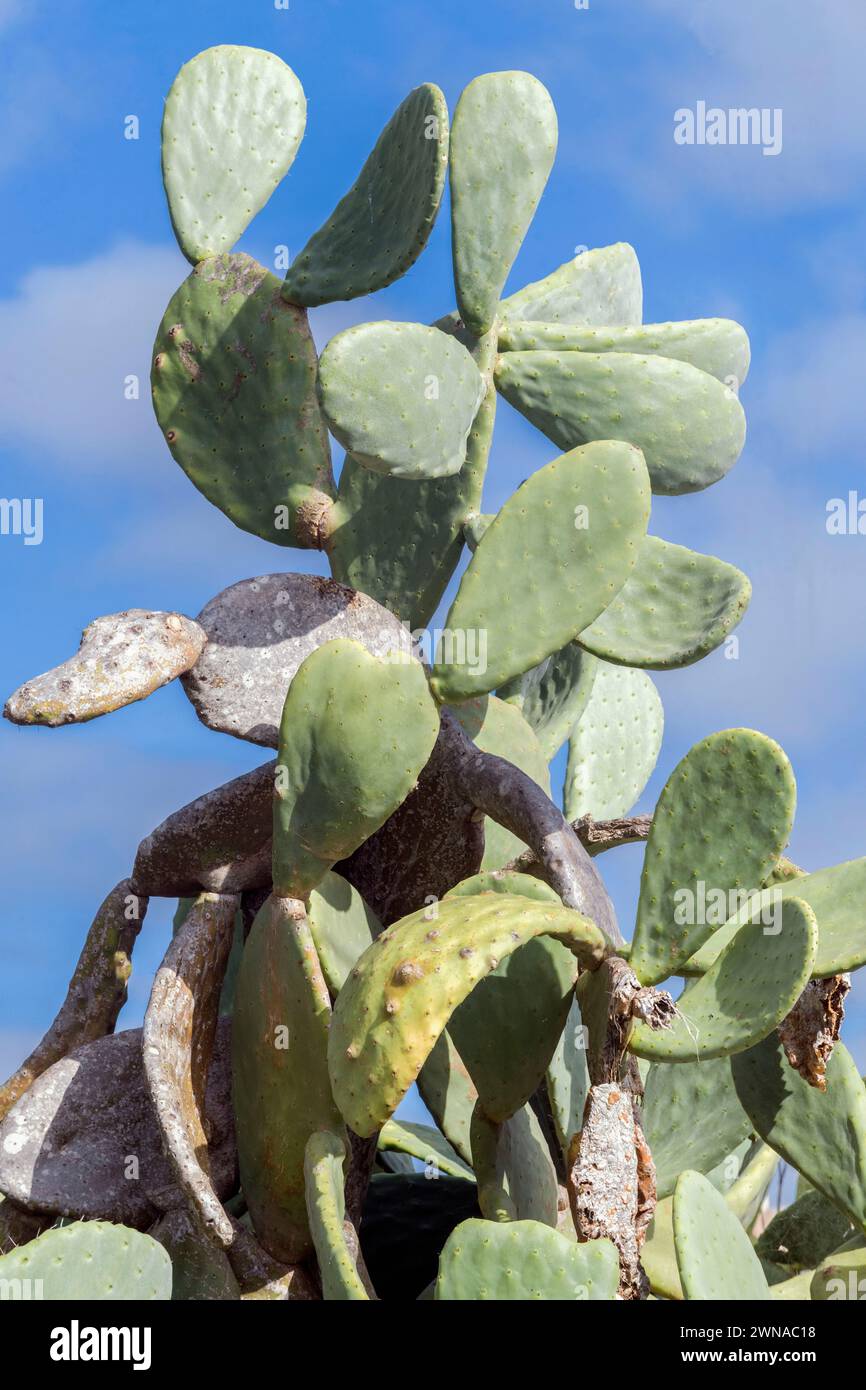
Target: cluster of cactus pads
[395, 899]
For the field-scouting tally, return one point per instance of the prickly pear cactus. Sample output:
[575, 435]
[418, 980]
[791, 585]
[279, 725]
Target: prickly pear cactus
[395, 899]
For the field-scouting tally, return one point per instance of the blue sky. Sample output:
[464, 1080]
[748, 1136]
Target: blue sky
[88, 264]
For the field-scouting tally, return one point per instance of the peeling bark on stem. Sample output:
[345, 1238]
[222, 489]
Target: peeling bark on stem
[811, 1030]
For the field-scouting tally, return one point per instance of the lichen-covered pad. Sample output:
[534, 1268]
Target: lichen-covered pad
[523, 1261]
[744, 995]
[405, 987]
[234, 391]
[560, 549]
[379, 229]
[259, 631]
[401, 398]
[690, 427]
[692, 1118]
[280, 1079]
[720, 824]
[342, 926]
[553, 695]
[836, 896]
[676, 607]
[503, 143]
[821, 1133]
[598, 287]
[324, 1168]
[356, 732]
[717, 346]
[498, 728]
[90, 1262]
[614, 745]
[233, 120]
[715, 1257]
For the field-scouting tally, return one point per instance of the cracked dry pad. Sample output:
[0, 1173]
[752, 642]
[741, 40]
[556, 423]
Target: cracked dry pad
[260, 630]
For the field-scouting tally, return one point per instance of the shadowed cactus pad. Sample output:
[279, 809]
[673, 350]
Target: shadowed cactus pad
[233, 121]
[523, 1260]
[91, 1261]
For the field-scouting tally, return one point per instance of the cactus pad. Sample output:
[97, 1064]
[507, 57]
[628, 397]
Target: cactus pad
[342, 927]
[90, 1261]
[720, 824]
[405, 987]
[676, 607]
[401, 398]
[597, 287]
[503, 144]
[567, 1078]
[426, 1144]
[355, 733]
[524, 1261]
[553, 695]
[323, 1166]
[557, 553]
[234, 390]
[714, 1255]
[515, 1172]
[689, 426]
[717, 346]
[614, 745]
[233, 121]
[692, 1118]
[498, 728]
[379, 229]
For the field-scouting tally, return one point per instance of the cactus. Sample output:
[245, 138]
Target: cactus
[396, 898]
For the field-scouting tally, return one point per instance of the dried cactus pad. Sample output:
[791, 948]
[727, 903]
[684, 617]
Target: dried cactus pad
[234, 391]
[690, 426]
[400, 397]
[234, 118]
[598, 287]
[523, 1261]
[379, 229]
[356, 732]
[614, 745]
[89, 1262]
[122, 658]
[714, 1254]
[717, 346]
[324, 1169]
[405, 987]
[744, 995]
[259, 631]
[720, 824]
[557, 554]
[676, 607]
[503, 144]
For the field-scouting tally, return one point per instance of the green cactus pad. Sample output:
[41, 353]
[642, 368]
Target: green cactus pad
[201, 1272]
[744, 995]
[507, 1029]
[401, 398]
[379, 229]
[821, 1133]
[717, 346]
[553, 695]
[556, 555]
[594, 288]
[835, 896]
[280, 1080]
[721, 822]
[614, 745]
[342, 926]
[714, 1255]
[426, 1144]
[692, 1118]
[498, 728]
[675, 607]
[842, 1276]
[234, 118]
[689, 426]
[90, 1261]
[234, 390]
[524, 1262]
[515, 1172]
[804, 1233]
[503, 144]
[323, 1166]
[405, 987]
[449, 1093]
[355, 733]
[568, 1079]
[399, 540]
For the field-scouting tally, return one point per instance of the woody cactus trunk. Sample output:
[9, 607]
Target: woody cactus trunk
[395, 899]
